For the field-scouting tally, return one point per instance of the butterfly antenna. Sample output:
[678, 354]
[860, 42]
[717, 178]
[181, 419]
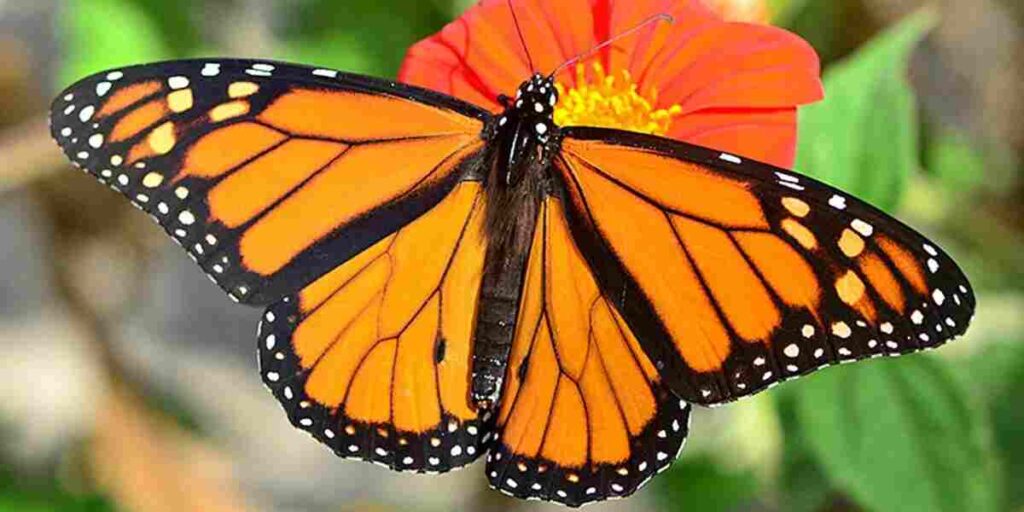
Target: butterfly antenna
[639, 26]
[522, 40]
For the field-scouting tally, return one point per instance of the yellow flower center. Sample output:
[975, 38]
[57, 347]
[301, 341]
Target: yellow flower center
[612, 101]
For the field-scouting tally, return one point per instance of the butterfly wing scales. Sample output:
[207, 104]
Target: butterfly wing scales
[258, 170]
[736, 275]
[584, 415]
[373, 358]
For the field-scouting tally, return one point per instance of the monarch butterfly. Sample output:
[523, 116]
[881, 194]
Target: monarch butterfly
[441, 282]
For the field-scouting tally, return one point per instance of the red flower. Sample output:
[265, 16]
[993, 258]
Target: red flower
[731, 86]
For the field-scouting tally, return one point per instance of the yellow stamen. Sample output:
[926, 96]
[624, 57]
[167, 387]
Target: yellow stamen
[612, 101]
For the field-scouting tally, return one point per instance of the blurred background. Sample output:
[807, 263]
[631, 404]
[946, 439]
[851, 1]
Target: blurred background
[129, 383]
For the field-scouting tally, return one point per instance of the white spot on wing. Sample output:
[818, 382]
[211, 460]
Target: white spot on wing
[329, 73]
[862, 227]
[177, 82]
[86, 113]
[837, 201]
[917, 317]
[786, 177]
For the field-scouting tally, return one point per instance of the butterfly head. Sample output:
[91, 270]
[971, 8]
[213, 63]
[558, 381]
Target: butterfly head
[525, 129]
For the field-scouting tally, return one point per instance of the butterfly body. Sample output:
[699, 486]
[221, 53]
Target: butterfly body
[522, 140]
[441, 281]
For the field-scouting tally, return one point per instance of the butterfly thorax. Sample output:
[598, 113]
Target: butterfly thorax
[521, 141]
[524, 131]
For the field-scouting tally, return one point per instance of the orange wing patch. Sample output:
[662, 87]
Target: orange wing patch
[127, 96]
[739, 275]
[269, 178]
[340, 192]
[674, 184]
[228, 148]
[268, 174]
[373, 358]
[379, 117]
[583, 415]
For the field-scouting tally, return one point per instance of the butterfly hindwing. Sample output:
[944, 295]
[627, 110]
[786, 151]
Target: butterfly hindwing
[258, 168]
[584, 415]
[373, 358]
[736, 275]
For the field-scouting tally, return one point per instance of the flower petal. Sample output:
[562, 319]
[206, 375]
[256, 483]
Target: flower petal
[479, 55]
[734, 65]
[768, 135]
[635, 52]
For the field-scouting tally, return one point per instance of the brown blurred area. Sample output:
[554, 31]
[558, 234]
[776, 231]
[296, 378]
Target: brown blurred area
[128, 374]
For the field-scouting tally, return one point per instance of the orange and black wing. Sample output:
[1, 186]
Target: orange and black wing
[584, 415]
[349, 204]
[269, 174]
[735, 275]
[373, 358]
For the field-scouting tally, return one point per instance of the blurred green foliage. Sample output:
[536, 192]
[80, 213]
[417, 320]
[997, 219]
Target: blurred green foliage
[91, 47]
[45, 495]
[899, 435]
[700, 483]
[914, 434]
[863, 138]
[360, 35]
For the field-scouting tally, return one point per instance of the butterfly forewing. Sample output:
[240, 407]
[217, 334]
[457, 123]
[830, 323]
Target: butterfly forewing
[269, 174]
[736, 275]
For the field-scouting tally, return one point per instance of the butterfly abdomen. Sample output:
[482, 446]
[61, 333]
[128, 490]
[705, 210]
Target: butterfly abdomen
[495, 327]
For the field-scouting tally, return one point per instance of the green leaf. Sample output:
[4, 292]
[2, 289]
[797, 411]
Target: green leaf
[699, 484]
[996, 378]
[899, 435]
[103, 34]
[864, 137]
[802, 482]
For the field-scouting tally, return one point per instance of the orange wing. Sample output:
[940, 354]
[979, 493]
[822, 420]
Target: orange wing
[584, 415]
[373, 358]
[735, 275]
[268, 174]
